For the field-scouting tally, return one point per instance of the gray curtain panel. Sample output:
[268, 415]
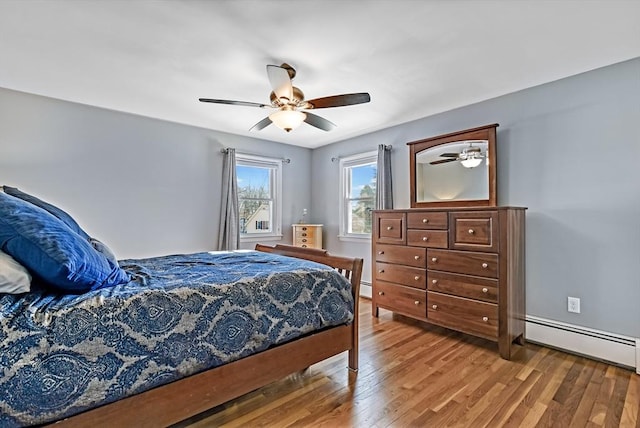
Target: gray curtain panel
[229, 233]
[384, 189]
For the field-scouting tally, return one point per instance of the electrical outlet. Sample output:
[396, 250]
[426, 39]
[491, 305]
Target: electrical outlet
[573, 304]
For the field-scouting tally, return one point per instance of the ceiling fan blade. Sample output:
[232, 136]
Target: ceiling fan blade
[450, 155]
[280, 81]
[339, 100]
[235, 103]
[442, 161]
[261, 125]
[319, 122]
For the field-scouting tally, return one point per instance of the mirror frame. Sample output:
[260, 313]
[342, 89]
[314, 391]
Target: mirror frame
[487, 132]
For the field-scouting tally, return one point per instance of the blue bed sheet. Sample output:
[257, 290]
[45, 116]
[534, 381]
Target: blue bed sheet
[180, 314]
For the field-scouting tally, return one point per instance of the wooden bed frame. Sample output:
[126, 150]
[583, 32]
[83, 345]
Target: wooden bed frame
[174, 402]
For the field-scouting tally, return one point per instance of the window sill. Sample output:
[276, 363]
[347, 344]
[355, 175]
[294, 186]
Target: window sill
[261, 238]
[355, 238]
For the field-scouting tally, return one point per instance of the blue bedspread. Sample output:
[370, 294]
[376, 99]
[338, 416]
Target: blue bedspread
[181, 314]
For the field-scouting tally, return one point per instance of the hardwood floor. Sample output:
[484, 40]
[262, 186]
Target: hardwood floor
[412, 374]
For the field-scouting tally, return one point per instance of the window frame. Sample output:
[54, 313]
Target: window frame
[346, 163]
[276, 196]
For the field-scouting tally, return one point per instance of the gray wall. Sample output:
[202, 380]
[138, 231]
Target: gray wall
[567, 150]
[145, 187]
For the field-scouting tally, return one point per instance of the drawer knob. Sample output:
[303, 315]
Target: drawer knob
[434, 307]
[434, 281]
[417, 302]
[485, 290]
[434, 259]
[382, 271]
[416, 257]
[304, 228]
[380, 252]
[425, 220]
[425, 238]
[485, 319]
[471, 232]
[303, 246]
[304, 234]
[304, 240]
[485, 265]
[417, 277]
[380, 293]
[389, 227]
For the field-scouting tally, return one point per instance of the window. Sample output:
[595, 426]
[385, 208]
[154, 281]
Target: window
[259, 203]
[358, 194]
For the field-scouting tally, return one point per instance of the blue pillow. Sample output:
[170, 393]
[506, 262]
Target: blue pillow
[51, 251]
[57, 212]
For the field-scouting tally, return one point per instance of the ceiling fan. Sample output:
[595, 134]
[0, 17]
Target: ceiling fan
[469, 157]
[290, 103]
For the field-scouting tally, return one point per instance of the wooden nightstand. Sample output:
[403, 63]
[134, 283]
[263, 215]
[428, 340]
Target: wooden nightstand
[307, 235]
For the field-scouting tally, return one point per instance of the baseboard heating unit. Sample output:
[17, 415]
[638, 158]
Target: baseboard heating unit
[614, 348]
[366, 289]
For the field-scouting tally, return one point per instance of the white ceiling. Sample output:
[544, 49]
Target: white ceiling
[415, 58]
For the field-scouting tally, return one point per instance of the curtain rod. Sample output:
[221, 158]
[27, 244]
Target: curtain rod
[225, 150]
[336, 158]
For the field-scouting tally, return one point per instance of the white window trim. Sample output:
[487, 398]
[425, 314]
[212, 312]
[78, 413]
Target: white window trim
[347, 162]
[266, 162]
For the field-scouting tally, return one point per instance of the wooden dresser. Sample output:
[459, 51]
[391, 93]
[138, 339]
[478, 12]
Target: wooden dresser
[460, 268]
[307, 235]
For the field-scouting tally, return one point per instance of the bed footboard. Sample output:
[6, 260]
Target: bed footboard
[350, 267]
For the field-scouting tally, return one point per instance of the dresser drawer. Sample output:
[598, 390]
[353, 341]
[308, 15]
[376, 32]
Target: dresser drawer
[411, 276]
[399, 298]
[475, 230]
[306, 242]
[462, 314]
[463, 286]
[410, 256]
[305, 232]
[428, 238]
[465, 262]
[427, 220]
[389, 228]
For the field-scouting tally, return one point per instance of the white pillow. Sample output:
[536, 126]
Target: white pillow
[14, 278]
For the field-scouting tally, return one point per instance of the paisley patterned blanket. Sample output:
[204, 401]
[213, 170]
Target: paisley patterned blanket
[180, 314]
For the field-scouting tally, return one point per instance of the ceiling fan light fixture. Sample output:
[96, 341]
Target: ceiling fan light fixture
[287, 119]
[471, 162]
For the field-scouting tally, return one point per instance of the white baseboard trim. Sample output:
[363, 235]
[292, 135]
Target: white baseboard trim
[601, 345]
[365, 289]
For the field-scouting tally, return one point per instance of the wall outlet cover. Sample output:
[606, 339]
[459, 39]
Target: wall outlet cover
[573, 304]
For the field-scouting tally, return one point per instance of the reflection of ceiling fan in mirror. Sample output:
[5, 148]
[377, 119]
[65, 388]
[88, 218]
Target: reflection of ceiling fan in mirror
[469, 157]
[289, 101]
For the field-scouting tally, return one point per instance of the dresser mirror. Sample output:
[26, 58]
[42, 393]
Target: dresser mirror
[454, 170]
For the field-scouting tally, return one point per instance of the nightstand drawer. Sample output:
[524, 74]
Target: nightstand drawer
[428, 238]
[463, 314]
[427, 220]
[406, 275]
[465, 262]
[409, 256]
[407, 300]
[471, 287]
